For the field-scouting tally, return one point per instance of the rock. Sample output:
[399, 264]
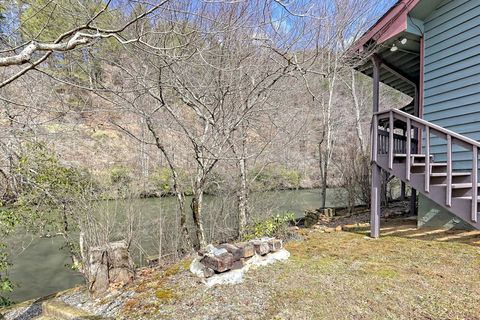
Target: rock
[275, 245]
[338, 228]
[261, 247]
[219, 263]
[329, 230]
[311, 218]
[236, 276]
[239, 264]
[218, 251]
[247, 249]
[208, 272]
[234, 250]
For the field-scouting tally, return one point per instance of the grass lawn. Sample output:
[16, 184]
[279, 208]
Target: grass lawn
[406, 274]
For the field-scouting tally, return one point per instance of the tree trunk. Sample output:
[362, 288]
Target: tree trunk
[196, 206]
[242, 198]
[323, 163]
[358, 124]
[324, 182]
[176, 186]
[183, 217]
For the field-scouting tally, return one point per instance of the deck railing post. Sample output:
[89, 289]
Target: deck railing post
[409, 148]
[427, 159]
[449, 171]
[374, 138]
[390, 141]
[474, 183]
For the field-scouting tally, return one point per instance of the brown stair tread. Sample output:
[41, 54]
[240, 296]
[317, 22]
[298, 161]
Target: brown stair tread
[467, 198]
[457, 185]
[434, 164]
[455, 174]
[413, 155]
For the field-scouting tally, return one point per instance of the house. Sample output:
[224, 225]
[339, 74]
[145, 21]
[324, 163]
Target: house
[429, 50]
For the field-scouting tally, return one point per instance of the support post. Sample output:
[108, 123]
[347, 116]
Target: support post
[375, 201]
[391, 148]
[413, 203]
[376, 171]
[402, 191]
[409, 150]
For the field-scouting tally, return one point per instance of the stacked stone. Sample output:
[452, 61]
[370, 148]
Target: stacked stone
[228, 256]
[311, 217]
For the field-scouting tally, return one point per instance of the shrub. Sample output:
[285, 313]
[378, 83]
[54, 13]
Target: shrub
[275, 178]
[120, 174]
[291, 178]
[276, 226]
[162, 180]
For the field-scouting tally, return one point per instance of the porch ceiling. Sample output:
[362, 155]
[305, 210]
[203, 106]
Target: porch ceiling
[405, 61]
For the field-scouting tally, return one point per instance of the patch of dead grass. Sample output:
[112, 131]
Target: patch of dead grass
[337, 275]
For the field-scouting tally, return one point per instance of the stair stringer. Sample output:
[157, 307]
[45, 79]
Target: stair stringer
[460, 207]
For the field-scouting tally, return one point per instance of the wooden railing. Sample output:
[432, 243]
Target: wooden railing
[399, 143]
[407, 145]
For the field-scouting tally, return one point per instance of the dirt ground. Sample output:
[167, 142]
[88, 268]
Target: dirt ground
[406, 274]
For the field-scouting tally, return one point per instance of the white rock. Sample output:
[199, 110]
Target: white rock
[197, 268]
[230, 277]
[270, 258]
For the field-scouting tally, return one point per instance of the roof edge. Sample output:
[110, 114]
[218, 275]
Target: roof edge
[392, 23]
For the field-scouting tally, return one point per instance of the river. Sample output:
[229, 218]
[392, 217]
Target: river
[40, 265]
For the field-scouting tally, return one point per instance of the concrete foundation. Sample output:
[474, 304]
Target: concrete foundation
[432, 215]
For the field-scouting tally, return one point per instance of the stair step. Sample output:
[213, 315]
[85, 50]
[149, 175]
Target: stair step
[468, 198]
[403, 155]
[454, 174]
[457, 185]
[433, 164]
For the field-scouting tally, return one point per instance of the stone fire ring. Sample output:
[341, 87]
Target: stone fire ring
[227, 263]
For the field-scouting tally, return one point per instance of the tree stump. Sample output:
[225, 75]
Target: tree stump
[109, 264]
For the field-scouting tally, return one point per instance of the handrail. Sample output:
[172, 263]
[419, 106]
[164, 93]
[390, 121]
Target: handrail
[432, 126]
[450, 136]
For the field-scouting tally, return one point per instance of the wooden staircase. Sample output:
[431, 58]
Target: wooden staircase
[395, 136]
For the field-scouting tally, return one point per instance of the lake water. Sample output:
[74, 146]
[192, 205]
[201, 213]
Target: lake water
[40, 265]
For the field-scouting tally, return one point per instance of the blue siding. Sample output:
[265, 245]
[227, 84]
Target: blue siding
[452, 74]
